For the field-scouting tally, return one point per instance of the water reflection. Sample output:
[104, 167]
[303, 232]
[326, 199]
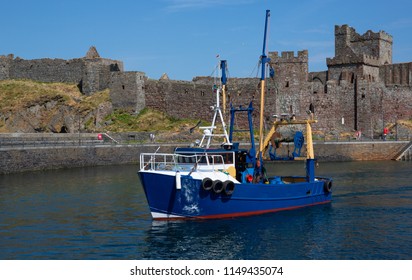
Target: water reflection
[270, 236]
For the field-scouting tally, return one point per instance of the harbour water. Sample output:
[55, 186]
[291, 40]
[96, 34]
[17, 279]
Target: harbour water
[101, 213]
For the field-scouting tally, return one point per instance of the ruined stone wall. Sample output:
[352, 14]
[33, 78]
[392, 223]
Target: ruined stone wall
[127, 91]
[5, 62]
[90, 74]
[333, 107]
[397, 74]
[180, 99]
[370, 115]
[375, 106]
[47, 70]
[320, 77]
[183, 99]
[96, 74]
[397, 103]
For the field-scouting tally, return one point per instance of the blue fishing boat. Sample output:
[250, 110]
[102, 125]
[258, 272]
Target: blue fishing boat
[208, 182]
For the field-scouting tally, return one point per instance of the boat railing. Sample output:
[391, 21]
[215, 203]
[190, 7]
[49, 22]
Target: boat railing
[157, 161]
[181, 162]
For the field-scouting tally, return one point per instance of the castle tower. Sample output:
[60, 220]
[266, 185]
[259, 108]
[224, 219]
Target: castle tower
[291, 73]
[290, 70]
[97, 71]
[359, 55]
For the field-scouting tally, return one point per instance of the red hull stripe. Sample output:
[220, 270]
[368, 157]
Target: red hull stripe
[242, 214]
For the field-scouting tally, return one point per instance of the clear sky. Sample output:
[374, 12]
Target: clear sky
[183, 37]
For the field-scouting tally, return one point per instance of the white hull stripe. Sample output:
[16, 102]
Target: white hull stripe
[157, 215]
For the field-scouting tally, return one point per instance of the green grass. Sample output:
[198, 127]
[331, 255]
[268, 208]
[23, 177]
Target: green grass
[146, 120]
[18, 94]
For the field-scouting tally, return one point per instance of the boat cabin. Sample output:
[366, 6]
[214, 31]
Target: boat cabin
[219, 159]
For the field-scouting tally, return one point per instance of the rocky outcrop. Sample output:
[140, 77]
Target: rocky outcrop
[54, 115]
[28, 106]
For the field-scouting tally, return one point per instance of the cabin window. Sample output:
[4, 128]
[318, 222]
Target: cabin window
[220, 158]
[190, 158]
[213, 158]
[226, 157]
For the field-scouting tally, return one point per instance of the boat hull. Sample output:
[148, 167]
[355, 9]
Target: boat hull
[189, 200]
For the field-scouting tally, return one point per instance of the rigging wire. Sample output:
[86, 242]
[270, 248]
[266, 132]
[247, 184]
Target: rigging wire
[214, 71]
[255, 69]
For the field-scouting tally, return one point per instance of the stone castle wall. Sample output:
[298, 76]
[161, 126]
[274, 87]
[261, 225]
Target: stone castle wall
[397, 74]
[361, 90]
[127, 90]
[47, 70]
[183, 99]
[91, 73]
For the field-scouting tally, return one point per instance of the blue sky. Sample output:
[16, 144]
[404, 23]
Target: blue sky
[183, 37]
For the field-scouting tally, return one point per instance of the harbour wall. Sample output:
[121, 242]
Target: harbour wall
[21, 159]
[42, 158]
[353, 151]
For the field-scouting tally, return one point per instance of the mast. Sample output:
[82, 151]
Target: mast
[208, 133]
[264, 59]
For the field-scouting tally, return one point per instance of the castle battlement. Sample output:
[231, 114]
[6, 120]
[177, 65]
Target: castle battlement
[344, 30]
[350, 32]
[289, 57]
[381, 35]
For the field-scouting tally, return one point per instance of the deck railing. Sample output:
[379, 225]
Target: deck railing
[181, 162]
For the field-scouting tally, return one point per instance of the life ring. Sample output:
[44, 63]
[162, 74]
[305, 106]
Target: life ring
[207, 184]
[327, 186]
[217, 186]
[228, 187]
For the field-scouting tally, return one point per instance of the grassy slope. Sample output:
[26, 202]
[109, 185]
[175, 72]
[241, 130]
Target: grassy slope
[16, 95]
[20, 94]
